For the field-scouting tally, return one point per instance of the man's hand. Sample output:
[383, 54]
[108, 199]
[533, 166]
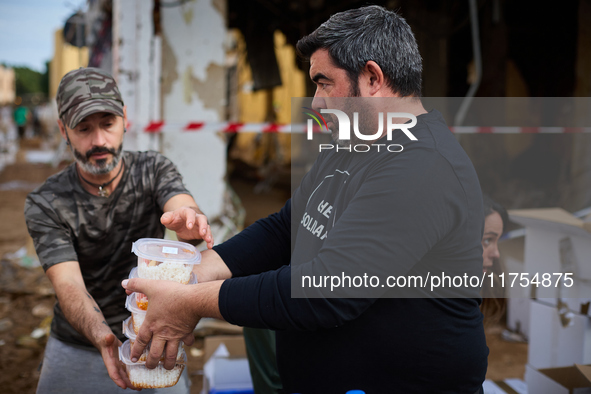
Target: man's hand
[170, 319]
[188, 225]
[109, 348]
[173, 312]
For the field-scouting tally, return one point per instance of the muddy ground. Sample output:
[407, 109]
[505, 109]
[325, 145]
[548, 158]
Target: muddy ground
[26, 295]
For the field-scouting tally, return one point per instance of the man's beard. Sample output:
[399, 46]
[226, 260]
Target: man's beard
[349, 107]
[364, 125]
[102, 166]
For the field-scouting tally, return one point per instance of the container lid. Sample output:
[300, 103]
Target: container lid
[131, 305]
[134, 274]
[166, 250]
[128, 329]
[125, 351]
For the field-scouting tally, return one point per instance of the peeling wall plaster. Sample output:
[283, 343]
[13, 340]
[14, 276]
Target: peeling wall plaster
[169, 68]
[193, 55]
[193, 89]
[208, 89]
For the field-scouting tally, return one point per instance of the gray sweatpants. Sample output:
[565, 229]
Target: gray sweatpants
[69, 369]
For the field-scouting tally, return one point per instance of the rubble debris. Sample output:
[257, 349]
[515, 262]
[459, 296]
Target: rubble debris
[41, 310]
[6, 324]
[28, 342]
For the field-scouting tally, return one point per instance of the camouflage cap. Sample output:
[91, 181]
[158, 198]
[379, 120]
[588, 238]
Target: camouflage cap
[87, 91]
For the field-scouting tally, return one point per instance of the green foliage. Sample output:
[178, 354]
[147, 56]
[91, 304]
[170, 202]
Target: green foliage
[30, 81]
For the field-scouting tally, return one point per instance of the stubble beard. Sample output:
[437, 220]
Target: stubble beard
[364, 122]
[102, 166]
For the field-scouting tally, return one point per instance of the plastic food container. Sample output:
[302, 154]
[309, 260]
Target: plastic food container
[144, 378]
[130, 333]
[133, 274]
[141, 299]
[137, 314]
[165, 260]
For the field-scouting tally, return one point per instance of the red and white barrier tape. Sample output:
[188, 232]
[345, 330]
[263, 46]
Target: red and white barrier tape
[224, 127]
[234, 127]
[519, 130]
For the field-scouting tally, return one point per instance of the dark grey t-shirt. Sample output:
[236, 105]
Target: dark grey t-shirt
[69, 224]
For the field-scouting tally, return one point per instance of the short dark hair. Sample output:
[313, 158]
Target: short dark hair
[357, 36]
[490, 206]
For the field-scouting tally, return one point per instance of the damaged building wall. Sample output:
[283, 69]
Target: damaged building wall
[168, 59]
[266, 105]
[194, 89]
[193, 34]
[136, 67]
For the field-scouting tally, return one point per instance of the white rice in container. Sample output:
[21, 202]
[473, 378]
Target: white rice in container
[165, 260]
[134, 274]
[162, 260]
[142, 377]
[138, 320]
[159, 377]
[176, 272]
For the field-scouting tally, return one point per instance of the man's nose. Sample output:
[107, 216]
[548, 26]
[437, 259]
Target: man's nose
[318, 103]
[98, 137]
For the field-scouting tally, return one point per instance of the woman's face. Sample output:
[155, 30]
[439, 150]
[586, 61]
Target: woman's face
[493, 228]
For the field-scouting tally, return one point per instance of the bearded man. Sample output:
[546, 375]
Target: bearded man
[83, 221]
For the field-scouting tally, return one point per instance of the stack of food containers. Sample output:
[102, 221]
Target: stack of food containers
[162, 260]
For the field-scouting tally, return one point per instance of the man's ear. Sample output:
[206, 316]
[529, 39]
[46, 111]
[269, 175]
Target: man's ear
[372, 78]
[63, 130]
[125, 118]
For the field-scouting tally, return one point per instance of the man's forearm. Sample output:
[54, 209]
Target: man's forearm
[263, 246]
[212, 267]
[206, 299]
[83, 313]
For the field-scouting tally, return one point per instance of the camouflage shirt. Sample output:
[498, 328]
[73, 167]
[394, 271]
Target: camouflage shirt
[69, 224]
